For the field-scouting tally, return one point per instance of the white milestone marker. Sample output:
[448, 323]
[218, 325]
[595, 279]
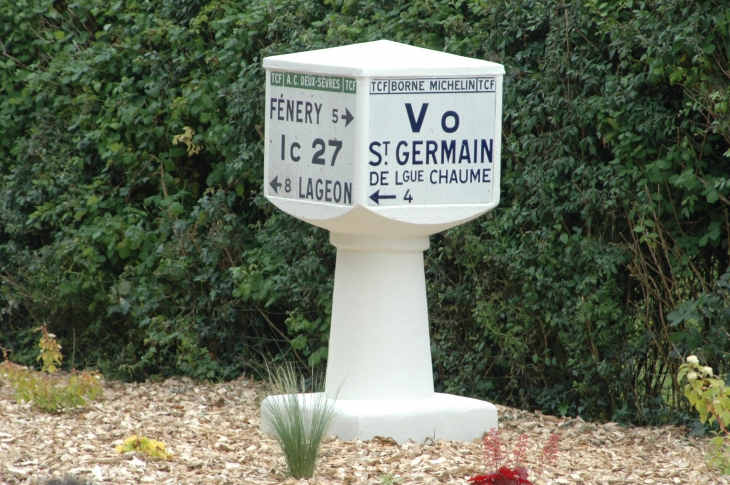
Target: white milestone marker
[384, 144]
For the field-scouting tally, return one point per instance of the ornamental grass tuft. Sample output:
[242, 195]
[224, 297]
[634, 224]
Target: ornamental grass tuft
[299, 419]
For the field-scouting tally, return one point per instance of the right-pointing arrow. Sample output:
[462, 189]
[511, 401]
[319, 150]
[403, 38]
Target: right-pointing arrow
[347, 117]
[375, 197]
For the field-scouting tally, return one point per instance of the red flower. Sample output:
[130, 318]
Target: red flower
[504, 476]
[493, 453]
[551, 450]
[520, 449]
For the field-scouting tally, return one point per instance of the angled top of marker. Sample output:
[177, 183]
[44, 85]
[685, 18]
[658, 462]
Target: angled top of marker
[382, 58]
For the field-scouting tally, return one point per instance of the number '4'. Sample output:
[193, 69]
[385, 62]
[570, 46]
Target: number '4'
[408, 196]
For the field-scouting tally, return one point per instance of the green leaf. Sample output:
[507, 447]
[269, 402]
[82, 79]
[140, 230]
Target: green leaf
[176, 208]
[124, 288]
[677, 337]
[123, 250]
[59, 34]
[299, 342]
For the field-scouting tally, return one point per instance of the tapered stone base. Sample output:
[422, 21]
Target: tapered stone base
[442, 416]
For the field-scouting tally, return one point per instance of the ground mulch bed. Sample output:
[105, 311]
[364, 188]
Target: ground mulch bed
[214, 433]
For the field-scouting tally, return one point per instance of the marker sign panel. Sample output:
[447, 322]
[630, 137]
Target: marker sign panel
[431, 141]
[311, 137]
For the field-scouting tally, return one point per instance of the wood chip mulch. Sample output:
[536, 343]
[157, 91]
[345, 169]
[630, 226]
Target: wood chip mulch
[214, 433]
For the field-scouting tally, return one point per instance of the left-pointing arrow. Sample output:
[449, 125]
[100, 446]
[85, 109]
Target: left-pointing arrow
[275, 185]
[375, 197]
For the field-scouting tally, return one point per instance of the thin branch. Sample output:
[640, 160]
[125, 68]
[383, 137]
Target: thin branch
[5, 53]
[261, 133]
[162, 178]
[283, 335]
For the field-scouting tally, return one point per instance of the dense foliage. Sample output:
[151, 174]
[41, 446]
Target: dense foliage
[131, 218]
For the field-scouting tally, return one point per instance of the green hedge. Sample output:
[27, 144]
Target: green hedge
[132, 219]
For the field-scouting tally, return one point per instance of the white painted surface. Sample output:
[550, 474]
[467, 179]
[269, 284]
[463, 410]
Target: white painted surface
[379, 363]
[311, 141]
[379, 347]
[441, 416]
[387, 221]
[382, 117]
[432, 146]
[382, 58]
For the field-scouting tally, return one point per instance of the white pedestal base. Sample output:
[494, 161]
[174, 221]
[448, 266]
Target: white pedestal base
[379, 365]
[442, 416]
